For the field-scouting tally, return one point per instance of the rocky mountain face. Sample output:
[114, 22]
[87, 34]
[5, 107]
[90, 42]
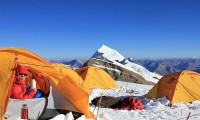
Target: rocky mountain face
[167, 66]
[117, 72]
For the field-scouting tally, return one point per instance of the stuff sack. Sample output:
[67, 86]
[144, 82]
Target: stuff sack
[130, 103]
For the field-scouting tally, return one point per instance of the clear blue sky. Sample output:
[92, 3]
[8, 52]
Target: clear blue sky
[77, 28]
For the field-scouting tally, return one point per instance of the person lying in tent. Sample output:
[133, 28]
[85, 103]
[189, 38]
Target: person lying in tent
[19, 90]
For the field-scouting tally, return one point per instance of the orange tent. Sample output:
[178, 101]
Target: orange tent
[183, 86]
[96, 77]
[10, 57]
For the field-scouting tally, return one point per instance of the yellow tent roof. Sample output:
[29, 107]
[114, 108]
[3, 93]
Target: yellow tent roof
[96, 77]
[63, 82]
[183, 86]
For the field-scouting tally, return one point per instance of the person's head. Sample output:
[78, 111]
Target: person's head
[22, 71]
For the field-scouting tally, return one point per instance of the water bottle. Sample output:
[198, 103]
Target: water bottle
[33, 84]
[24, 112]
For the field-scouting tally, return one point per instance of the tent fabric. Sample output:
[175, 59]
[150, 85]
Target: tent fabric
[183, 86]
[96, 77]
[41, 68]
[71, 74]
[57, 101]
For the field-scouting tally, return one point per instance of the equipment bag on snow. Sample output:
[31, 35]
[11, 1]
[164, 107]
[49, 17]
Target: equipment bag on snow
[131, 103]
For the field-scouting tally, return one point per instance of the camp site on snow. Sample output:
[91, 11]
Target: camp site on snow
[67, 90]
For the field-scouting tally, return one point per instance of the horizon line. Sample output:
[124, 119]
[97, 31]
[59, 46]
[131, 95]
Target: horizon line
[134, 58]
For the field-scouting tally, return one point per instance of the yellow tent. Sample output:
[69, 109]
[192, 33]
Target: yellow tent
[96, 77]
[183, 86]
[10, 57]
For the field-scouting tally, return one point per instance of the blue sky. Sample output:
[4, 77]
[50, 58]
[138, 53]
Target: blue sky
[77, 28]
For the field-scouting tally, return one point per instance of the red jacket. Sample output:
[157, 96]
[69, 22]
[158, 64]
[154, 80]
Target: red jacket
[19, 90]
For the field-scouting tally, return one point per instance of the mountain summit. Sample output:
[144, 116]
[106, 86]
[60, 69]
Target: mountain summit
[108, 53]
[116, 58]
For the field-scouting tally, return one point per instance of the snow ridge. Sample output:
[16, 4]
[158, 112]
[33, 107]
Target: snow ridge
[118, 59]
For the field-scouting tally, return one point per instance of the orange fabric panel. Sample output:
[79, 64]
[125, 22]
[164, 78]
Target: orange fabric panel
[63, 69]
[167, 85]
[68, 87]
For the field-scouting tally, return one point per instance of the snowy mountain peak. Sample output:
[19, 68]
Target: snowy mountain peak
[108, 53]
[116, 58]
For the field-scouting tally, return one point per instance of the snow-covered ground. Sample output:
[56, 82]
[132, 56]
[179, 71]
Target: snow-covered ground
[155, 109]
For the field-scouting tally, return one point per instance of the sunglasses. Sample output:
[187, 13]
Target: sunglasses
[22, 74]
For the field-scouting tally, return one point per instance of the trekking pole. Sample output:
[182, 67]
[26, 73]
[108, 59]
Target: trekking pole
[99, 104]
[96, 105]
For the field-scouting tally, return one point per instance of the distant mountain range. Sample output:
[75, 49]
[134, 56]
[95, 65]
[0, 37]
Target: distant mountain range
[139, 66]
[166, 66]
[160, 66]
